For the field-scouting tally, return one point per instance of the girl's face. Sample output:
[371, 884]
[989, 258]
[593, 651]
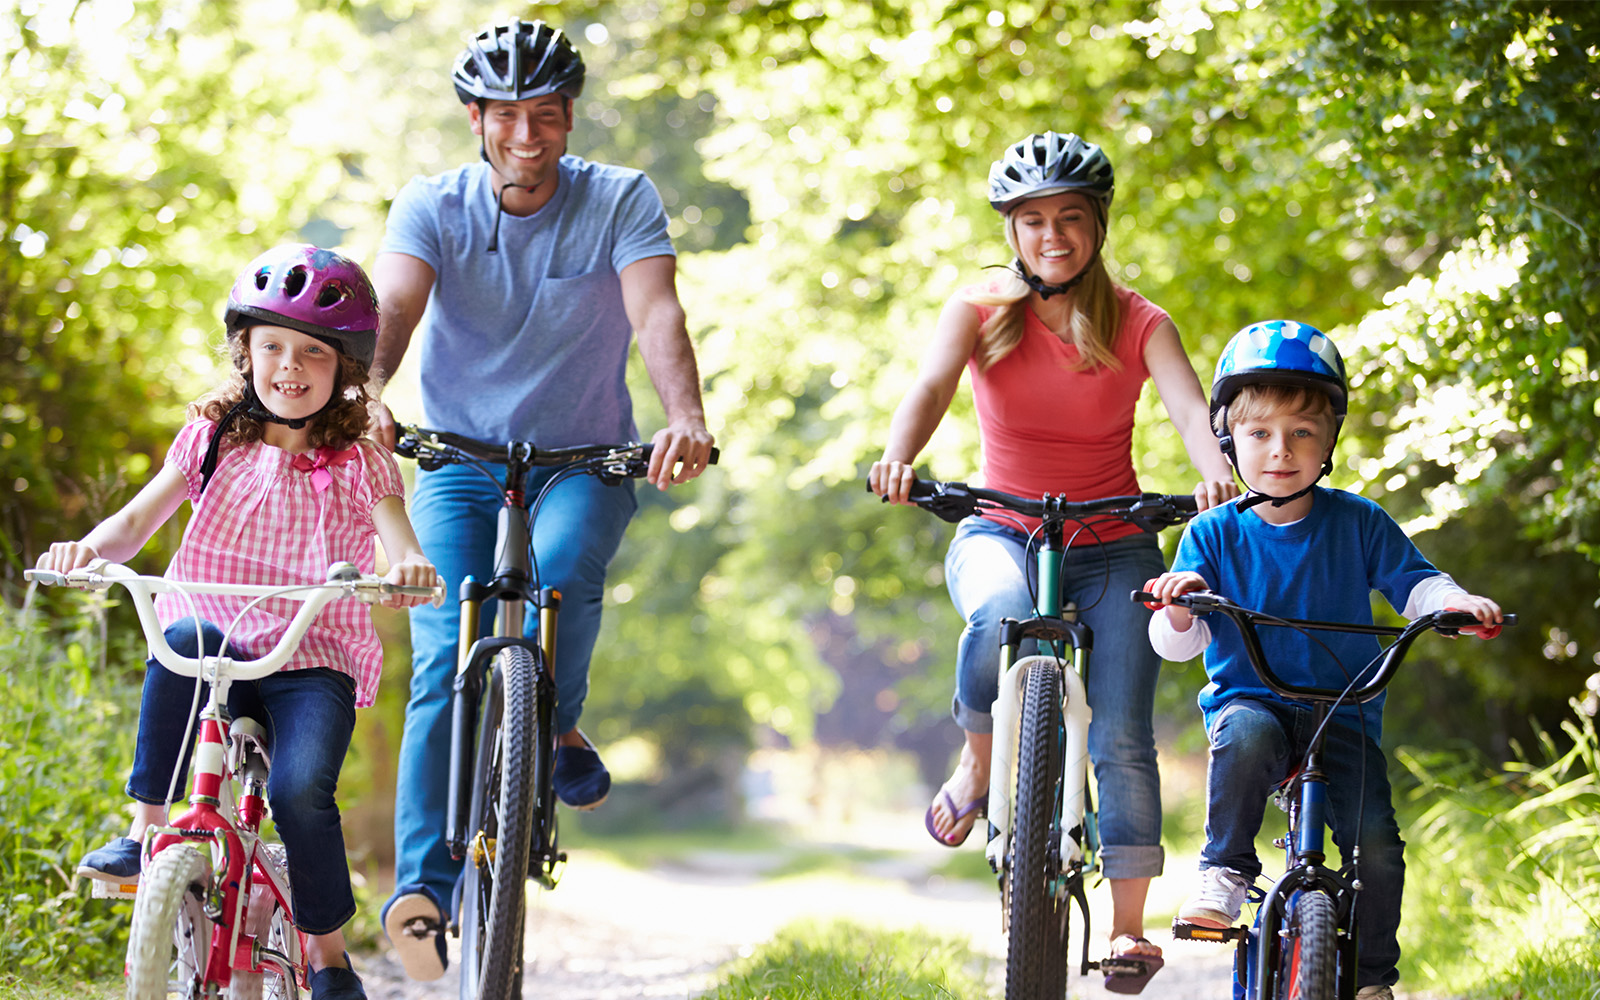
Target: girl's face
[293, 373]
[1057, 235]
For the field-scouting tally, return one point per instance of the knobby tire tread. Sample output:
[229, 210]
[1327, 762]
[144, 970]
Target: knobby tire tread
[1310, 962]
[1036, 951]
[494, 896]
[165, 914]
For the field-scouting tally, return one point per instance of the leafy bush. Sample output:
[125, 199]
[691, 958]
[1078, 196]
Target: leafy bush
[66, 741]
[1503, 886]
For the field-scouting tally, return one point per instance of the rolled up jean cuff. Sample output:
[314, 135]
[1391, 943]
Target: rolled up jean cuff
[970, 719]
[1132, 860]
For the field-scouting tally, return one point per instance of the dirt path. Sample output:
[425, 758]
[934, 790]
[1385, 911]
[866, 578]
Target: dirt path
[610, 932]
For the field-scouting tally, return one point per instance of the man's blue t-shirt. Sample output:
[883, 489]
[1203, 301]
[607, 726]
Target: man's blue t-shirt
[1324, 567]
[531, 342]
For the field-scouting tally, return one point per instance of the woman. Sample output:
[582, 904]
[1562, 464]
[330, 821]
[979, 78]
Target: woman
[1058, 355]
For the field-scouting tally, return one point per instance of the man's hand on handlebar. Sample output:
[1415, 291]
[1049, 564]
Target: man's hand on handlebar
[681, 452]
[383, 429]
[892, 480]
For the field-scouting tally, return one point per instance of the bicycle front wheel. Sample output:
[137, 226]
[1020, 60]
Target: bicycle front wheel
[494, 890]
[1036, 951]
[1310, 952]
[169, 939]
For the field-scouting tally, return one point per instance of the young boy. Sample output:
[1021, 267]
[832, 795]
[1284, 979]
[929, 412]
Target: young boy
[1292, 548]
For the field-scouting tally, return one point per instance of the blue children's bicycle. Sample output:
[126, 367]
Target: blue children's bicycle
[1302, 943]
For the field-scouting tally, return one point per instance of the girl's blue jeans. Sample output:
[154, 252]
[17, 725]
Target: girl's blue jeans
[309, 716]
[989, 573]
[1254, 746]
[455, 509]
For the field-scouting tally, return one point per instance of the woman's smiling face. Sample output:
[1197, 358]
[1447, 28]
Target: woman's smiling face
[1057, 235]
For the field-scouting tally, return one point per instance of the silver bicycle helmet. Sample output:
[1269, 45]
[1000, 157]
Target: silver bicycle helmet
[1048, 163]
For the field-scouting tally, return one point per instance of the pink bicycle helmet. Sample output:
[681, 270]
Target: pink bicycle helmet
[318, 292]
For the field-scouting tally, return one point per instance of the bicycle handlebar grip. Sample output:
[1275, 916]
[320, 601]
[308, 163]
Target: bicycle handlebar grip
[45, 577]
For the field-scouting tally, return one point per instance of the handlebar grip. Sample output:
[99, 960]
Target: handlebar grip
[45, 577]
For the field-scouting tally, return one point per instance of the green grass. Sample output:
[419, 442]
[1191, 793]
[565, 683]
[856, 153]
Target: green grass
[843, 961]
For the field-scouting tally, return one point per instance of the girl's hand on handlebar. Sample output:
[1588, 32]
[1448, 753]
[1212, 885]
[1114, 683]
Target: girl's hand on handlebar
[1486, 611]
[1214, 492]
[1170, 585]
[412, 571]
[63, 557]
[892, 480]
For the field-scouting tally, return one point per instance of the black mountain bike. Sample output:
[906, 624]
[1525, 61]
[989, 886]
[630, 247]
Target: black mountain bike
[501, 811]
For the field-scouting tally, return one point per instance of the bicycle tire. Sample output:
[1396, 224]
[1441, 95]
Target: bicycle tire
[169, 936]
[1309, 961]
[268, 922]
[494, 891]
[1036, 949]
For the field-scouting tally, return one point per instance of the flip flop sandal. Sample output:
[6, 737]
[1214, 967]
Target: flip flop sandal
[977, 805]
[1129, 973]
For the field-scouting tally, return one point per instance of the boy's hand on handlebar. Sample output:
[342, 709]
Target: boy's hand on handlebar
[412, 571]
[1169, 585]
[681, 452]
[1485, 610]
[892, 480]
[1214, 492]
[64, 557]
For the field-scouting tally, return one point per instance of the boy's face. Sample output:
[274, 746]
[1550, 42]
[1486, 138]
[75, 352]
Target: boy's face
[1281, 451]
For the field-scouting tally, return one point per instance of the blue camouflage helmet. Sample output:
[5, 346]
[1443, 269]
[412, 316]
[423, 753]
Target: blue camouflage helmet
[1280, 352]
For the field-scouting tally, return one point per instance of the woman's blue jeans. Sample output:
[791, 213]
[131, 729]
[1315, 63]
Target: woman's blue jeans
[988, 572]
[1254, 746]
[455, 510]
[309, 716]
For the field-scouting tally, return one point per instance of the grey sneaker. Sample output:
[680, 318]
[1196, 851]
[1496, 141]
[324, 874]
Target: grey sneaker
[1218, 901]
[1374, 993]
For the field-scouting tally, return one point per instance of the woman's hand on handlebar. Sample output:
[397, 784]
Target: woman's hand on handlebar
[1169, 585]
[680, 452]
[892, 480]
[412, 571]
[1210, 493]
[1485, 610]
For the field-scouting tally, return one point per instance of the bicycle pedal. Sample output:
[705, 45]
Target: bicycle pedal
[101, 889]
[1215, 935]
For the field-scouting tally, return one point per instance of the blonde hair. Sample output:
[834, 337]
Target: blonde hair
[1093, 326]
[1261, 399]
[344, 421]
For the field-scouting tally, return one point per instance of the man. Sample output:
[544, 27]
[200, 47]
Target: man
[535, 269]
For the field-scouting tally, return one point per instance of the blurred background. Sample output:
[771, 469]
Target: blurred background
[1417, 180]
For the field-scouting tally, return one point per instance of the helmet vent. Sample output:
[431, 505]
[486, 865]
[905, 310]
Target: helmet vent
[331, 294]
[262, 276]
[295, 281]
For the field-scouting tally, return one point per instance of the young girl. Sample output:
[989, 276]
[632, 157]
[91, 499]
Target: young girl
[282, 486]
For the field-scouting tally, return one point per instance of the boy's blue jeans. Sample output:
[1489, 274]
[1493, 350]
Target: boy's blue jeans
[988, 574]
[309, 716]
[1254, 745]
[455, 509]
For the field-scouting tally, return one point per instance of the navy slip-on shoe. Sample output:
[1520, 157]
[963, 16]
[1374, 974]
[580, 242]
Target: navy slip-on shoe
[337, 984]
[581, 780]
[116, 862]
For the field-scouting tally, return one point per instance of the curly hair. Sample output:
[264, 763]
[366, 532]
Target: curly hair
[340, 424]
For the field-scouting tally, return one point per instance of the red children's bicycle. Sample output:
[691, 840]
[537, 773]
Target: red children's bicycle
[211, 914]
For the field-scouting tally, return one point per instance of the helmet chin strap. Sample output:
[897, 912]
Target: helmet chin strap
[499, 201]
[1046, 290]
[251, 406]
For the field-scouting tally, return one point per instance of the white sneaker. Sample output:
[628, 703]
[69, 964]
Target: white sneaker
[1374, 993]
[1218, 900]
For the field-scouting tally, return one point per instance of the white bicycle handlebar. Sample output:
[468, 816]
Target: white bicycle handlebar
[343, 581]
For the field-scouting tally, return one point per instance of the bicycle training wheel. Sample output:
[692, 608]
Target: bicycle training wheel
[494, 891]
[1309, 958]
[169, 938]
[1036, 951]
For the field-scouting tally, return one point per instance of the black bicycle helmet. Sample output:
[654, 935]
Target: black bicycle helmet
[1049, 163]
[518, 60]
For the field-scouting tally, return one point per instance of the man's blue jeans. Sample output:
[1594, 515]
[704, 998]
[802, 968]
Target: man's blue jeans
[309, 716]
[455, 509]
[989, 576]
[1255, 745]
